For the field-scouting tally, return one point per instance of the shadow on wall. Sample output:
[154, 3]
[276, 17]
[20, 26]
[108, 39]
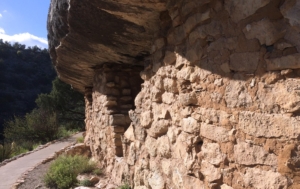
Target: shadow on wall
[229, 56]
[218, 75]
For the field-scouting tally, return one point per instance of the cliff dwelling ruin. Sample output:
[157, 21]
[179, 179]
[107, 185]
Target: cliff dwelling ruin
[186, 94]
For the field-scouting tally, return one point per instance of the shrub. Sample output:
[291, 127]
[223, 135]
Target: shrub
[86, 182]
[38, 126]
[98, 171]
[6, 151]
[64, 170]
[125, 186]
[79, 140]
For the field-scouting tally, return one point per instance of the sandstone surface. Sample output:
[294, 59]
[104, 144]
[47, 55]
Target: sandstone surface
[186, 94]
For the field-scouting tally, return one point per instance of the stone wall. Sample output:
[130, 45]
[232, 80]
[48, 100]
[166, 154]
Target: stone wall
[219, 106]
[107, 106]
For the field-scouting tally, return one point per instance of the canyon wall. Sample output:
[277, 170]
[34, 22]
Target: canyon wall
[210, 100]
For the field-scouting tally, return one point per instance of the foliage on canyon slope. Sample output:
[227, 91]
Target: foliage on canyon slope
[24, 73]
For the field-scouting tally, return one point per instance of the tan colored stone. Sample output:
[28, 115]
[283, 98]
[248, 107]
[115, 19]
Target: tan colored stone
[166, 166]
[260, 179]
[188, 99]
[249, 154]
[225, 186]
[190, 125]
[190, 182]
[211, 153]
[185, 73]
[236, 95]
[158, 128]
[129, 133]
[180, 61]
[151, 146]
[170, 85]
[79, 149]
[168, 98]
[210, 172]
[156, 181]
[131, 158]
[269, 125]
[164, 148]
[146, 119]
[117, 120]
[214, 133]
[200, 74]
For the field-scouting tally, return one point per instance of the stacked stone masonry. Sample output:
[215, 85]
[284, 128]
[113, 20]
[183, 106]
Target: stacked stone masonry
[219, 103]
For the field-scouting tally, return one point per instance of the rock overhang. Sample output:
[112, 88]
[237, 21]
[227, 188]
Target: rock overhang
[86, 34]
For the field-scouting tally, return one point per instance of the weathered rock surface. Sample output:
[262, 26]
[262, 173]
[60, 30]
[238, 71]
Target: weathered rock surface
[186, 94]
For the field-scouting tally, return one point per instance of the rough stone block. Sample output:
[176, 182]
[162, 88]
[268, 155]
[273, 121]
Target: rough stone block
[290, 11]
[239, 10]
[210, 172]
[185, 73]
[146, 119]
[151, 146]
[195, 19]
[214, 133]
[190, 125]
[188, 99]
[117, 120]
[126, 106]
[170, 85]
[236, 94]
[269, 125]
[244, 62]
[158, 128]
[117, 129]
[248, 154]
[164, 148]
[265, 31]
[110, 103]
[211, 153]
[258, 178]
[129, 133]
[284, 62]
[168, 98]
[170, 58]
[126, 92]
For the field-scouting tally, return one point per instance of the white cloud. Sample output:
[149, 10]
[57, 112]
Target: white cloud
[24, 38]
[0, 15]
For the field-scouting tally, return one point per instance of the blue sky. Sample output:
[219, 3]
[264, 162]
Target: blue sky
[24, 21]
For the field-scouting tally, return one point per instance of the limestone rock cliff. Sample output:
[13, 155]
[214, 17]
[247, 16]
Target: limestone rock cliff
[186, 94]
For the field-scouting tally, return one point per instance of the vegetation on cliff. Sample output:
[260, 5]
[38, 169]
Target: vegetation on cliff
[24, 73]
[30, 112]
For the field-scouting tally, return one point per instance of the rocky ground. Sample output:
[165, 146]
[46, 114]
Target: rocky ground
[34, 179]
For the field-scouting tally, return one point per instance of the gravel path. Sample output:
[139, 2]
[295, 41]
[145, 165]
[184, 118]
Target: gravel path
[34, 179]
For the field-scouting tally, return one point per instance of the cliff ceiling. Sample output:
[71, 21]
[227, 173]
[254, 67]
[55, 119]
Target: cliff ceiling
[85, 34]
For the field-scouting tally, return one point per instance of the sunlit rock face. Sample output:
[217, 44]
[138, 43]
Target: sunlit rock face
[186, 94]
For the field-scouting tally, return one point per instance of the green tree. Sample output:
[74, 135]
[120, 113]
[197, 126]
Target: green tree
[67, 103]
[37, 126]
